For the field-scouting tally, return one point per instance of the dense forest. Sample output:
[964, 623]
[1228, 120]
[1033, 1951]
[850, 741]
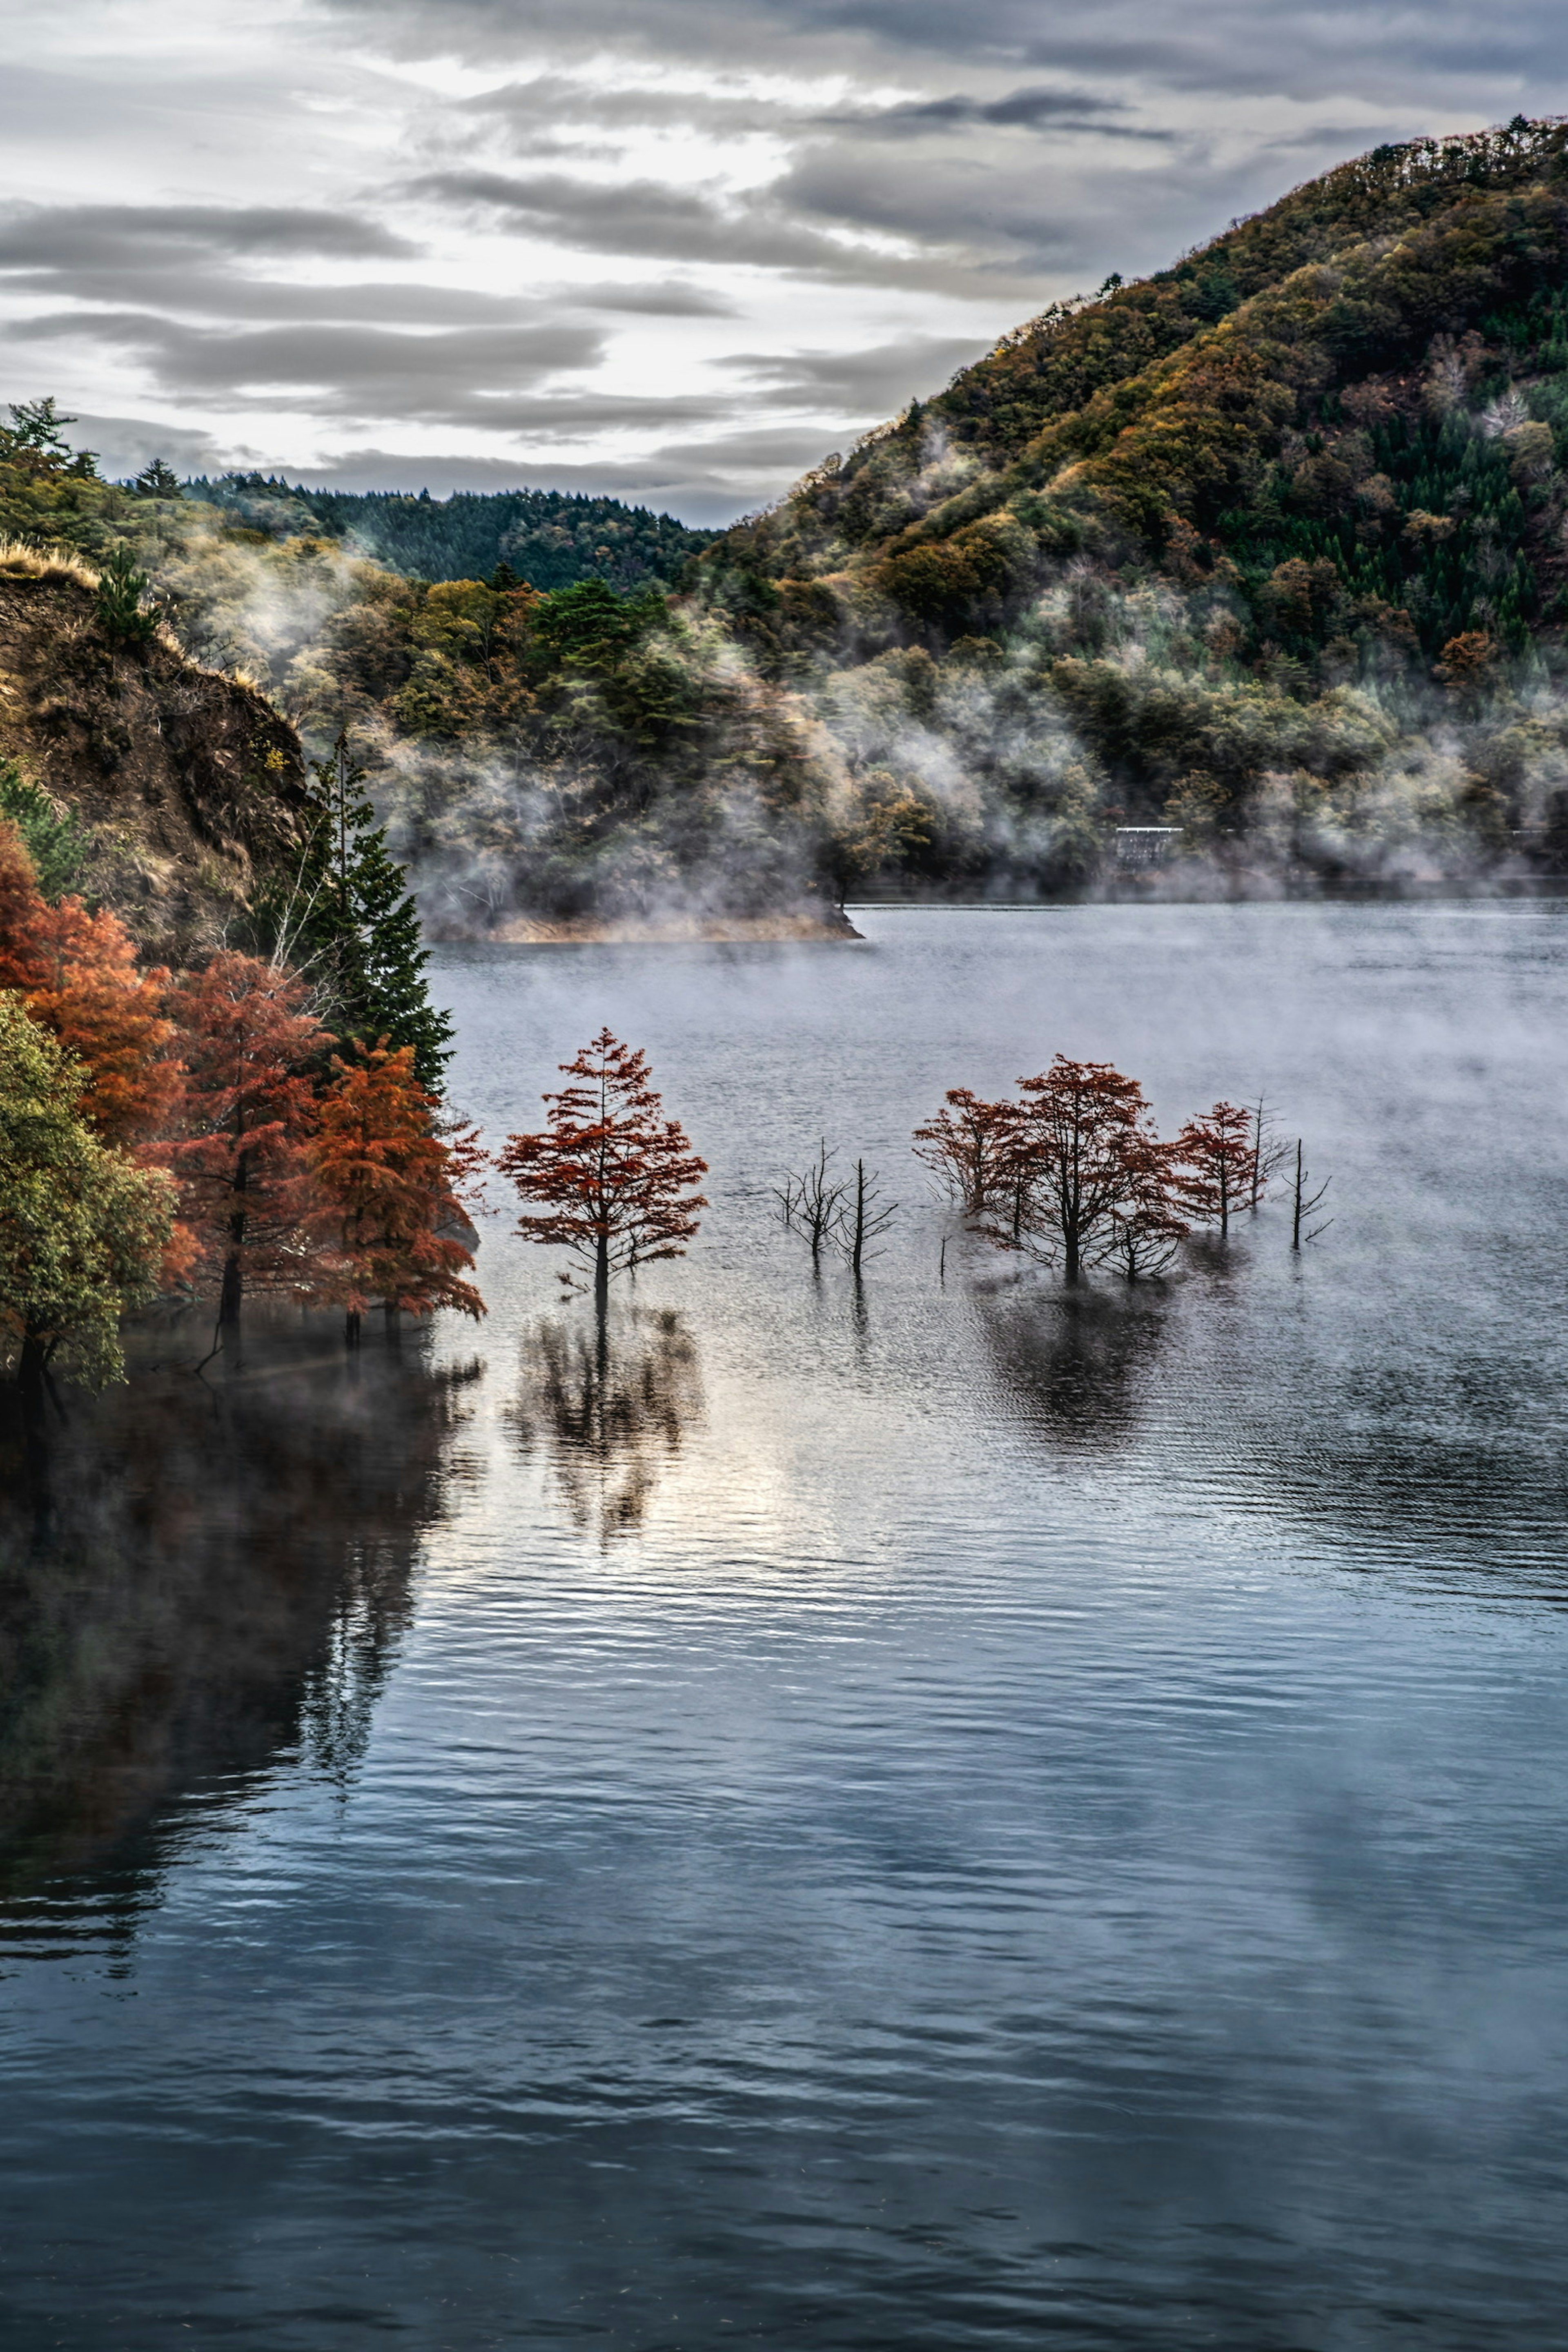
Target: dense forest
[551, 539]
[1265, 551]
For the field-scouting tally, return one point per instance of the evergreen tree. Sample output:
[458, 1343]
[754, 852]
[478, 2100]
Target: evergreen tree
[348, 922]
[158, 481]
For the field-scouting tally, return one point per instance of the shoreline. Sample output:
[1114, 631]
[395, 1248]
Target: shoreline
[581, 930]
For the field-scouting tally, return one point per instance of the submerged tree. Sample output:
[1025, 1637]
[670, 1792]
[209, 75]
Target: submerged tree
[1084, 1157]
[1219, 1165]
[968, 1146]
[811, 1203]
[609, 1179]
[1146, 1229]
[865, 1218]
[82, 1229]
[1306, 1203]
[389, 1188]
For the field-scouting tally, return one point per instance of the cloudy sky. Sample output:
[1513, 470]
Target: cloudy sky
[671, 250]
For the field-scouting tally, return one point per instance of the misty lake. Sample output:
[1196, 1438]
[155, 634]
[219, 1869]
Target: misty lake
[949, 1817]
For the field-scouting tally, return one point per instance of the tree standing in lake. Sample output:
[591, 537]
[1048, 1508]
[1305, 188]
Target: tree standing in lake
[608, 1177]
[1220, 1167]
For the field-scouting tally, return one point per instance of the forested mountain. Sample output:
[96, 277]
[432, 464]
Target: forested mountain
[549, 538]
[1270, 548]
[1271, 543]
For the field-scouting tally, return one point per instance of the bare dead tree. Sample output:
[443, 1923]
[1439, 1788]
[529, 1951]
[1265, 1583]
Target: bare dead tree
[1269, 1153]
[811, 1203]
[865, 1218]
[1306, 1203]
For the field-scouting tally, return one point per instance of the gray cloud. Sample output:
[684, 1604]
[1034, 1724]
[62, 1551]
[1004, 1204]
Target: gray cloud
[55, 236]
[459, 377]
[878, 381]
[1242, 45]
[650, 217]
[670, 299]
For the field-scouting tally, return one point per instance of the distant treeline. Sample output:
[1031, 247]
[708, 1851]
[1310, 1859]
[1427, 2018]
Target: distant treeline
[551, 539]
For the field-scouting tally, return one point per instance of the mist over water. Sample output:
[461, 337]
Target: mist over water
[948, 1816]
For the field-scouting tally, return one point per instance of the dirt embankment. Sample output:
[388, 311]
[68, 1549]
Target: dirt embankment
[191, 783]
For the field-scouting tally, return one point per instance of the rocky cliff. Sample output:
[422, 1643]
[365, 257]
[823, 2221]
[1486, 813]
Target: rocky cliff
[191, 785]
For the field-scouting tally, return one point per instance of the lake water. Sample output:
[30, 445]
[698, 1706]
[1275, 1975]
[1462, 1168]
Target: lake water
[945, 1817]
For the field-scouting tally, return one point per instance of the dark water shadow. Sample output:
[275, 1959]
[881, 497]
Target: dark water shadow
[220, 1578]
[610, 1401]
[1077, 1366]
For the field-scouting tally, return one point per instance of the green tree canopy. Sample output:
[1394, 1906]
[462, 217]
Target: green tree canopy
[348, 922]
[82, 1229]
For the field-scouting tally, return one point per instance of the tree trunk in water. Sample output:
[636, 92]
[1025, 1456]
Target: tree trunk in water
[351, 1329]
[30, 1380]
[602, 1273]
[394, 1325]
[232, 1291]
[1070, 1243]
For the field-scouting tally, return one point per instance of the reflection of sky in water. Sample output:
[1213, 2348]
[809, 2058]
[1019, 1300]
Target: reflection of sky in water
[991, 1819]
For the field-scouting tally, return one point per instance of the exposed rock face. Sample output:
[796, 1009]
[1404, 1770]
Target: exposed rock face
[192, 783]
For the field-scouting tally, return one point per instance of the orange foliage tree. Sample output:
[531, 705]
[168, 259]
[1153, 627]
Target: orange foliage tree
[241, 1158]
[1084, 1137]
[609, 1179]
[389, 1190]
[1073, 1173]
[77, 973]
[1218, 1156]
[969, 1145]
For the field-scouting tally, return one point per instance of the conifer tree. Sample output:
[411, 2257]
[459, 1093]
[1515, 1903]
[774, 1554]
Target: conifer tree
[608, 1174]
[389, 1191]
[1215, 1153]
[245, 1177]
[347, 920]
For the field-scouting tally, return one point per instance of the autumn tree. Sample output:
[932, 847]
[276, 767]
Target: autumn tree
[1216, 1165]
[1146, 1227]
[241, 1158]
[608, 1177]
[82, 1229]
[968, 1146]
[388, 1203]
[1085, 1157]
[77, 973]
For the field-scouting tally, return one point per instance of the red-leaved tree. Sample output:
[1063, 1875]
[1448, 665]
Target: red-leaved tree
[608, 1177]
[241, 1158]
[78, 975]
[389, 1204]
[971, 1146]
[1085, 1158]
[1217, 1154]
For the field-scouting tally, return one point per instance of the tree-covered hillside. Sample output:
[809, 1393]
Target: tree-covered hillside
[549, 538]
[1277, 537]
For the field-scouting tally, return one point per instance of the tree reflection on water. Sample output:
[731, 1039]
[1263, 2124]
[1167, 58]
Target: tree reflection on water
[219, 1579]
[1078, 1363]
[611, 1399]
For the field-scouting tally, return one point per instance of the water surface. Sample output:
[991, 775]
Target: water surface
[940, 1817]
